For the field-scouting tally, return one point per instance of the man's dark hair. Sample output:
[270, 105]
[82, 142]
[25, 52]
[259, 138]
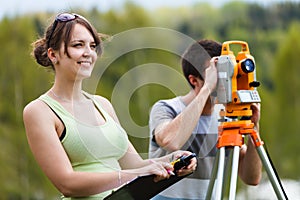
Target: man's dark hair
[194, 60]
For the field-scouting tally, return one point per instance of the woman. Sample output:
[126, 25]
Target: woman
[76, 137]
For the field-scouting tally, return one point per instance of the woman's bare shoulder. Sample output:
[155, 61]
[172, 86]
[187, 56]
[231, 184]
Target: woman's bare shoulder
[35, 110]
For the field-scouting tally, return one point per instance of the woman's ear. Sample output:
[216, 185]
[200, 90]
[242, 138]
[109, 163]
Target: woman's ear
[52, 56]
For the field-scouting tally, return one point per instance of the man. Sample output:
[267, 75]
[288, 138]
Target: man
[189, 122]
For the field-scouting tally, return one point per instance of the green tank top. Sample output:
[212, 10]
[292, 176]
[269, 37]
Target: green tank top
[91, 148]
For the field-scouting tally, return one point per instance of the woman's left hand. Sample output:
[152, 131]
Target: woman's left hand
[188, 169]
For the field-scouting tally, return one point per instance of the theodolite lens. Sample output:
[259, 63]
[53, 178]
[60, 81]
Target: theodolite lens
[247, 65]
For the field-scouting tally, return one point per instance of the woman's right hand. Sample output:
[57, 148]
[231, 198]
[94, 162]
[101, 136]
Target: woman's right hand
[160, 169]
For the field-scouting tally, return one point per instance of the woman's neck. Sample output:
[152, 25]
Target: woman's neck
[67, 92]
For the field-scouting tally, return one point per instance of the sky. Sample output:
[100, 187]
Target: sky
[19, 7]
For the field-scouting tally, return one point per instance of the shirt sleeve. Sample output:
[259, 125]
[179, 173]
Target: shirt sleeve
[161, 112]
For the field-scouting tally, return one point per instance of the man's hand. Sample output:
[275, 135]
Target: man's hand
[255, 107]
[211, 76]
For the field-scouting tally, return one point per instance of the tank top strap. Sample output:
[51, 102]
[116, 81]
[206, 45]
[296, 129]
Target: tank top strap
[63, 113]
[54, 105]
[98, 105]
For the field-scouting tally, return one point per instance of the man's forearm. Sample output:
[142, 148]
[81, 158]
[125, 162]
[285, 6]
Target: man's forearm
[251, 165]
[173, 135]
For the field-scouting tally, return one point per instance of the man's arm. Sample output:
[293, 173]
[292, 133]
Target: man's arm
[250, 164]
[172, 135]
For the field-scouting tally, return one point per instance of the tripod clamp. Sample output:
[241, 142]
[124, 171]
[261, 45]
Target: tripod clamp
[231, 133]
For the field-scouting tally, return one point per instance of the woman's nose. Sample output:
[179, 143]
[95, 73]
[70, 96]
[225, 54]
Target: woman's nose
[87, 50]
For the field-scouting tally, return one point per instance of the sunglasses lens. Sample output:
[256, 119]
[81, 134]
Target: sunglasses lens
[64, 17]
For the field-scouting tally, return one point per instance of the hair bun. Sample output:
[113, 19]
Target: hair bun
[40, 53]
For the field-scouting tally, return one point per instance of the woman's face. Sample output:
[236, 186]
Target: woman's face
[82, 51]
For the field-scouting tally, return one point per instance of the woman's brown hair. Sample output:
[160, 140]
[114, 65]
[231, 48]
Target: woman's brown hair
[61, 34]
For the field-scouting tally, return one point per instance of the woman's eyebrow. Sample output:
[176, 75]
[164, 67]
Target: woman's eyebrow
[82, 41]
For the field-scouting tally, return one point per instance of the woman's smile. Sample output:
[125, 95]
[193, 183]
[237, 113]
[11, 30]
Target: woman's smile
[85, 63]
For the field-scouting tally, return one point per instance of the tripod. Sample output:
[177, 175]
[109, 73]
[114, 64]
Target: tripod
[231, 134]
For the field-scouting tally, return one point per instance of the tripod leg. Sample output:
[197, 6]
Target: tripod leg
[220, 174]
[213, 177]
[271, 174]
[234, 172]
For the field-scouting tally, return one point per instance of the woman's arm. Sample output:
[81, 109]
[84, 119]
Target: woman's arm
[132, 160]
[159, 166]
[45, 145]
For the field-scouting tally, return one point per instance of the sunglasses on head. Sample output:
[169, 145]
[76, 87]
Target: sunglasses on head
[63, 17]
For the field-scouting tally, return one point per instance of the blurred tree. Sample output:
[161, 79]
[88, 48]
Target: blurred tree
[287, 98]
[20, 82]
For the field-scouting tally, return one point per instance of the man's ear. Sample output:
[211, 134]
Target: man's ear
[195, 81]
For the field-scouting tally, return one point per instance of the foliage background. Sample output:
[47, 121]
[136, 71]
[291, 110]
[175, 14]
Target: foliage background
[272, 33]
